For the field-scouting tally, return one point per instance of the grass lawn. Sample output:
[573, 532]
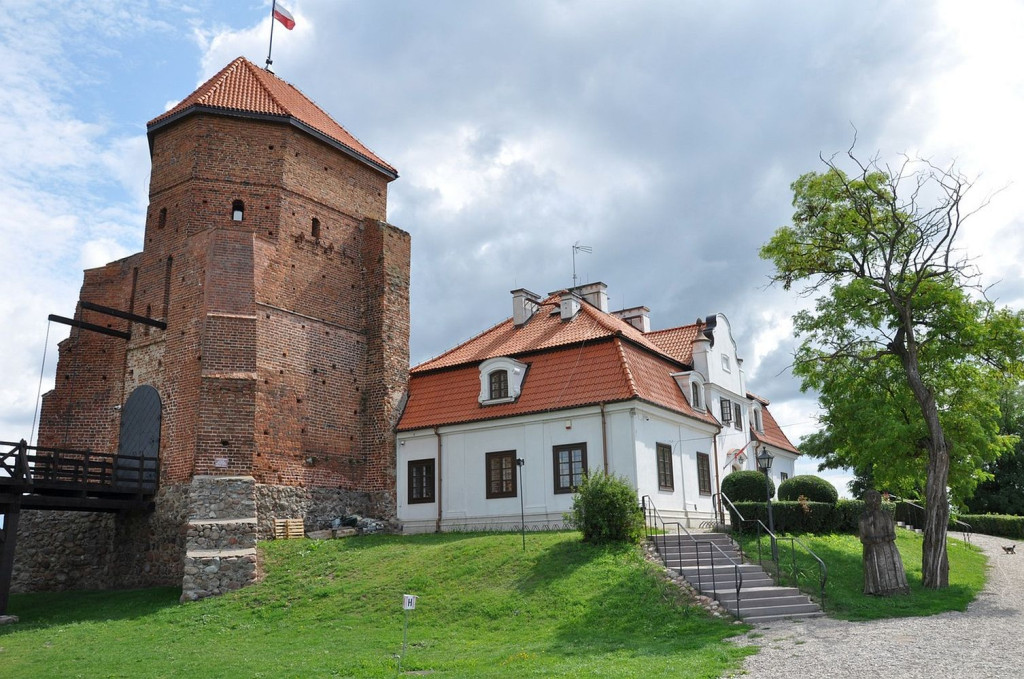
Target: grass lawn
[333, 609]
[844, 597]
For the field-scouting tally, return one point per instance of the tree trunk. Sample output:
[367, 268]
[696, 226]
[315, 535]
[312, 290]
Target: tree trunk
[934, 560]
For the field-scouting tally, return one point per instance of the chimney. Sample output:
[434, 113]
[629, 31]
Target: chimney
[524, 305]
[570, 305]
[637, 316]
[595, 294]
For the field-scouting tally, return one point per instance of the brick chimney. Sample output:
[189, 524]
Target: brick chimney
[524, 305]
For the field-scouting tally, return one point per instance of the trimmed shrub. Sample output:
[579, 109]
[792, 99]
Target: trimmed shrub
[814, 488]
[805, 517]
[605, 509]
[1002, 525]
[747, 486]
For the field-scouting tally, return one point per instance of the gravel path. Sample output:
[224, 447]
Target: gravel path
[985, 641]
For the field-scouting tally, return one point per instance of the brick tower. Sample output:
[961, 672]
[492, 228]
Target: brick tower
[285, 357]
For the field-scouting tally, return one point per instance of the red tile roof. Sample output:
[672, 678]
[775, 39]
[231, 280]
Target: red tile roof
[243, 87]
[545, 330]
[603, 371]
[773, 434]
[677, 342]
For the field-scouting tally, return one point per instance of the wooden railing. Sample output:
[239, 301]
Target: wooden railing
[34, 468]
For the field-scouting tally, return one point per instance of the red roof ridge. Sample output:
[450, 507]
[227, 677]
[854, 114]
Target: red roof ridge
[761, 399]
[626, 370]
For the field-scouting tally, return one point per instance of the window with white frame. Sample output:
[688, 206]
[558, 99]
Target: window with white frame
[737, 413]
[726, 411]
[704, 473]
[501, 380]
[755, 413]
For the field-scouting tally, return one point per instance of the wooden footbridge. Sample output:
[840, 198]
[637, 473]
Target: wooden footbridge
[33, 477]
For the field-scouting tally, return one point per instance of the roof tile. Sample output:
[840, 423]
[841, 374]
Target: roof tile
[545, 330]
[241, 86]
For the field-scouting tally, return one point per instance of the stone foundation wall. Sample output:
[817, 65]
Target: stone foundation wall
[220, 538]
[317, 506]
[92, 550]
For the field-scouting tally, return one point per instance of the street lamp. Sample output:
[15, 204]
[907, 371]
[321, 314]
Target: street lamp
[764, 464]
[522, 509]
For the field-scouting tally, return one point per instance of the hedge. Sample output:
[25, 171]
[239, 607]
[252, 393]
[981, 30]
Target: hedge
[995, 524]
[747, 486]
[806, 517]
[814, 488]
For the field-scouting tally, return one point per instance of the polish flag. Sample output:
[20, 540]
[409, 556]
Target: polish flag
[284, 16]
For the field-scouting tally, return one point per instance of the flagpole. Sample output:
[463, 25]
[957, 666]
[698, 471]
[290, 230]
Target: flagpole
[273, 6]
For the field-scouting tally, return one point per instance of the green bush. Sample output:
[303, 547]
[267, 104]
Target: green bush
[814, 488]
[747, 486]
[1002, 525]
[605, 509]
[806, 517]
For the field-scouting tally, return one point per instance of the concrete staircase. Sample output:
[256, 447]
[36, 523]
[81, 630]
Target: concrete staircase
[714, 574]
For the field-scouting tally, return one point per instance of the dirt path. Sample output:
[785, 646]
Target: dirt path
[985, 641]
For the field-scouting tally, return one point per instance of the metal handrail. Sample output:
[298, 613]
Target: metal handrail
[652, 516]
[966, 529]
[793, 540]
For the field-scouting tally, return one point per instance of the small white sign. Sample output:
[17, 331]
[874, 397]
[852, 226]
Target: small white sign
[409, 602]
[220, 462]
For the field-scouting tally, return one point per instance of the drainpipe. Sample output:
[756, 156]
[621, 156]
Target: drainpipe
[604, 437]
[718, 476]
[440, 498]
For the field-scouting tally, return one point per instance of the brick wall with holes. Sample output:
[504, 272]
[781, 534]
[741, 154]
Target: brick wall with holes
[285, 357]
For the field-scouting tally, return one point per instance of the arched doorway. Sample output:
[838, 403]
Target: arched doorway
[138, 449]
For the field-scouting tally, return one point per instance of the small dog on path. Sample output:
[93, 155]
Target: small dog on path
[1012, 549]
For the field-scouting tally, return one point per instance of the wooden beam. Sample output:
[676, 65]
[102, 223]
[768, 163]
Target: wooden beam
[91, 327]
[9, 534]
[134, 318]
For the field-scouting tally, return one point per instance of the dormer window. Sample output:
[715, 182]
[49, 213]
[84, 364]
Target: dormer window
[691, 383]
[755, 418]
[499, 384]
[501, 380]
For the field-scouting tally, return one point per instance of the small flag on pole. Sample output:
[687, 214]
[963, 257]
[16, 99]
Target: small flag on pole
[284, 16]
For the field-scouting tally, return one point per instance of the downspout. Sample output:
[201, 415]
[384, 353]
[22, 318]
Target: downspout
[437, 525]
[718, 476]
[604, 437]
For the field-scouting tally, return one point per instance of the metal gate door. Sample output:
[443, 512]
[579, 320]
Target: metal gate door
[138, 449]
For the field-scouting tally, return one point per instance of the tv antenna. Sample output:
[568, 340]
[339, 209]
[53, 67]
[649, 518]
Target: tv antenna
[576, 247]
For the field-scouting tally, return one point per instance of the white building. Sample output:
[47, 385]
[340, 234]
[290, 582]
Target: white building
[566, 387]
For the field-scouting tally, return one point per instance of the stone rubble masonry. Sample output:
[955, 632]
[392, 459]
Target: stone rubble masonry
[220, 545]
[89, 550]
[285, 357]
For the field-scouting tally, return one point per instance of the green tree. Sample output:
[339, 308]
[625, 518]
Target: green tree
[906, 354]
[1004, 492]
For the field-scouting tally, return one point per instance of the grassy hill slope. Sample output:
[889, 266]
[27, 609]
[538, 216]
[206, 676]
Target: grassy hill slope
[333, 609]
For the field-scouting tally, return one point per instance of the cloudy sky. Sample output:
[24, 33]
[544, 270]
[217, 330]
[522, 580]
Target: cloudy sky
[663, 134]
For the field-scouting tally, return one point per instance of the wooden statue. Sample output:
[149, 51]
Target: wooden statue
[883, 567]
